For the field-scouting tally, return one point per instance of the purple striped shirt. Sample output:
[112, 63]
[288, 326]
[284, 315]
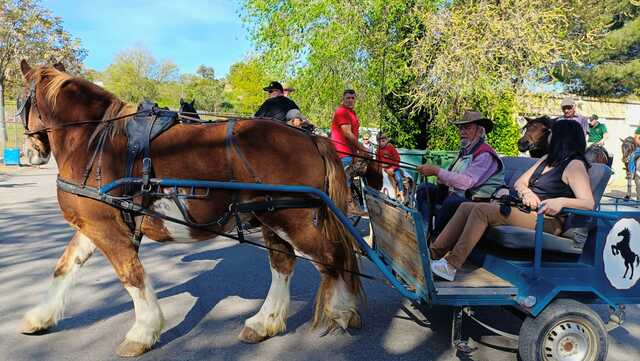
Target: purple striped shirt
[480, 169]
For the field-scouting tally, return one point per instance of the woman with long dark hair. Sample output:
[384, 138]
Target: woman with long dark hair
[558, 180]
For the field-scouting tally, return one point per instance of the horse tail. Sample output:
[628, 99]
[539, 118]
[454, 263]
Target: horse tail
[637, 260]
[331, 227]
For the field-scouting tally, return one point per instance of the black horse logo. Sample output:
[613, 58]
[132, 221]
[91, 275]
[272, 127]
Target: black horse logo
[625, 251]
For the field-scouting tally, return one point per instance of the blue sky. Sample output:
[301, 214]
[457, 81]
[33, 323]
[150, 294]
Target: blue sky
[190, 32]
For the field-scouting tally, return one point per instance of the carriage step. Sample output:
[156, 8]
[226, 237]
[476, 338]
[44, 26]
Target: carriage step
[472, 280]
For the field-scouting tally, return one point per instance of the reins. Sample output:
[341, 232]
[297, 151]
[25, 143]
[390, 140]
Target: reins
[81, 123]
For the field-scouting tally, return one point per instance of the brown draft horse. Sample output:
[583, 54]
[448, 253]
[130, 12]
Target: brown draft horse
[192, 152]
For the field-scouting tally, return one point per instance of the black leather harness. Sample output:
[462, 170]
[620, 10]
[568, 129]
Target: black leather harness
[147, 124]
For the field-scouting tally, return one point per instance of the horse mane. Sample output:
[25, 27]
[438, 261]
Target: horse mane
[117, 108]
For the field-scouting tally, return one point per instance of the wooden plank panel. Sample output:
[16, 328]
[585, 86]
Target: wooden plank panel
[394, 233]
[474, 280]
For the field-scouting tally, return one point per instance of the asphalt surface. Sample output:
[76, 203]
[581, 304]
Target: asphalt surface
[206, 291]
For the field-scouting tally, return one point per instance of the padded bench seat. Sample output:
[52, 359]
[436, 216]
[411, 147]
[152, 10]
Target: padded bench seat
[572, 240]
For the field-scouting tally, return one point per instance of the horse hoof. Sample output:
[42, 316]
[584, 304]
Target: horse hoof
[27, 328]
[131, 349]
[249, 335]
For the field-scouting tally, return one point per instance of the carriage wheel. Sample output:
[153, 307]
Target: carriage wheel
[566, 330]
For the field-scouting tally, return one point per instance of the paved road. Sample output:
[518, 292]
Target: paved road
[206, 291]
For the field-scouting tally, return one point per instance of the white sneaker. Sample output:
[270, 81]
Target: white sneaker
[442, 268]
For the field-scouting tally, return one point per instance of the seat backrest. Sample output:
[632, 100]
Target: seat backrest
[599, 174]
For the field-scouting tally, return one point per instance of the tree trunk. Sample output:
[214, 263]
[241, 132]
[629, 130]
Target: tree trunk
[3, 124]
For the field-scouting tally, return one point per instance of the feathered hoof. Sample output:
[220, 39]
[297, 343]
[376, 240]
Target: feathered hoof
[249, 335]
[131, 349]
[27, 328]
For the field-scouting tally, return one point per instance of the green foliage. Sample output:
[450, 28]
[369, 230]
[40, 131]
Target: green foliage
[612, 68]
[244, 86]
[131, 76]
[417, 64]
[29, 31]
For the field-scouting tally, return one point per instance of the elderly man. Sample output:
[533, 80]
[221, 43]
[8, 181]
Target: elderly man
[476, 174]
[277, 105]
[569, 112]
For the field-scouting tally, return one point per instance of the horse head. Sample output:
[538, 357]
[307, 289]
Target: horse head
[535, 134]
[625, 234]
[30, 109]
[53, 101]
[188, 109]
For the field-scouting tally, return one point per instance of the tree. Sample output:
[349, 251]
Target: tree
[244, 85]
[207, 91]
[206, 72]
[29, 31]
[612, 68]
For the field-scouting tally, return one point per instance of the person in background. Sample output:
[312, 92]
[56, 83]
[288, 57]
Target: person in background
[277, 105]
[296, 119]
[345, 127]
[287, 90]
[366, 142]
[477, 173]
[569, 112]
[597, 131]
[390, 158]
[558, 180]
[635, 155]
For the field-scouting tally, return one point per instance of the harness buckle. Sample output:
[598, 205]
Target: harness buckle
[146, 174]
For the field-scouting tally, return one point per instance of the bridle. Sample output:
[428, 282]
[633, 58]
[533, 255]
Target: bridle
[25, 108]
[546, 132]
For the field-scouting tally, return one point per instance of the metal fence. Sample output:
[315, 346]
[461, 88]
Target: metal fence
[15, 130]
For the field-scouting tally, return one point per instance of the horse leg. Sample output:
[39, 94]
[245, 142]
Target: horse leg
[51, 309]
[637, 181]
[271, 319]
[626, 269]
[123, 256]
[337, 298]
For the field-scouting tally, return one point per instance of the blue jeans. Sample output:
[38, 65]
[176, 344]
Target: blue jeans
[398, 174]
[427, 196]
[347, 161]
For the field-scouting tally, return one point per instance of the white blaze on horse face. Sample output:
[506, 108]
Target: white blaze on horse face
[51, 310]
[149, 320]
[271, 319]
[176, 231]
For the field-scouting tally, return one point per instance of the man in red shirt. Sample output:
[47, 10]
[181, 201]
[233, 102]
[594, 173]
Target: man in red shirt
[345, 127]
[344, 135]
[390, 157]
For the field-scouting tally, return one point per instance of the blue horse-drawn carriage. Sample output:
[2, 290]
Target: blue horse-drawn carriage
[547, 279]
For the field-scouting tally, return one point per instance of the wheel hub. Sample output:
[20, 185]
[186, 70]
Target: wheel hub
[568, 341]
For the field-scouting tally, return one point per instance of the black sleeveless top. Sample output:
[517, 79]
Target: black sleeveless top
[550, 184]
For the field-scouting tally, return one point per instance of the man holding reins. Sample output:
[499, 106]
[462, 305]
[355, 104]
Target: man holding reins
[476, 174]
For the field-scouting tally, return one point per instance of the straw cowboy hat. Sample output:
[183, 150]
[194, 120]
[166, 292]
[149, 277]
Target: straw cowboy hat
[475, 117]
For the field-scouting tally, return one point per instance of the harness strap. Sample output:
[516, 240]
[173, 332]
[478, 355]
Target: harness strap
[232, 146]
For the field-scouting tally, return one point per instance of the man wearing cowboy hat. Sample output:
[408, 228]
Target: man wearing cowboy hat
[476, 174]
[277, 105]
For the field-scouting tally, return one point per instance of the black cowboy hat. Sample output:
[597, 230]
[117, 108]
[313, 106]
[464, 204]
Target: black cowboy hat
[274, 85]
[475, 117]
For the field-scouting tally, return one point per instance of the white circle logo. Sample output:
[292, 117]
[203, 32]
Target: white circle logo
[621, 254]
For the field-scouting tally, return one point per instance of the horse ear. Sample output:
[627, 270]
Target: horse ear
[181, 101]
[59, 66]
[193, 103]
[25, 67]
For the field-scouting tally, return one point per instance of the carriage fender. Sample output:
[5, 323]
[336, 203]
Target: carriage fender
[545, 296]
